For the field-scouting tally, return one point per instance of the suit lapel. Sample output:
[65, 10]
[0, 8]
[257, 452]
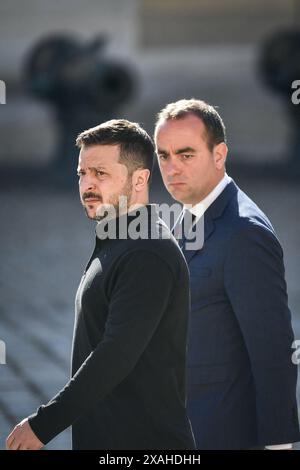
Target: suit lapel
[209, 227]
[213, 212]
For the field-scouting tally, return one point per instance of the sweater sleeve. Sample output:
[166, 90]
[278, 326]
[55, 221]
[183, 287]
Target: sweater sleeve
[138, 298]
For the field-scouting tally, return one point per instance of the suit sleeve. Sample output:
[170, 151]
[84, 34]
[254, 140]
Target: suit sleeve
[255, 285]
[141, 288]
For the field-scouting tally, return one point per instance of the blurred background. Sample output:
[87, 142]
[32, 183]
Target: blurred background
[71, 64]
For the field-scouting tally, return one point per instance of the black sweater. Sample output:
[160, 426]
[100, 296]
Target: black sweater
[127, 389]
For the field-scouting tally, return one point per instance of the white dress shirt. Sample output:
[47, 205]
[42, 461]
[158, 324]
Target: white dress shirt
[198, 210]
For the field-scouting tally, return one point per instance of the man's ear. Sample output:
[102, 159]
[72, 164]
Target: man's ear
[140, 179]
[220, 153]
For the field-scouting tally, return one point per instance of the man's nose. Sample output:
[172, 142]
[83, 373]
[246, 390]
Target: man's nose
[173, 168]
[88, 183]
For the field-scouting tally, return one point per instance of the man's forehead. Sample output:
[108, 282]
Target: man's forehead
[96, 155]
[188, 122]
[179, 132]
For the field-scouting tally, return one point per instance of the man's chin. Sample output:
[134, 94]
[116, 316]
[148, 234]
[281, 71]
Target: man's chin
[98, 214]
[91, 213]
[177, 195]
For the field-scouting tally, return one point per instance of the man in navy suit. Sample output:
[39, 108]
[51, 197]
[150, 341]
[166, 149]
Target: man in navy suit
[241, 379]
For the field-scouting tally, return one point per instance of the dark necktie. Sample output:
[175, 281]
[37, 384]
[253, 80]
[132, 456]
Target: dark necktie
[184, 226]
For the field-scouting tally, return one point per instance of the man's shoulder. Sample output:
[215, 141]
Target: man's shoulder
[252, 228]
[155, 240]
[153, 255]
[243, 222]
[162, 244]
[244, 214]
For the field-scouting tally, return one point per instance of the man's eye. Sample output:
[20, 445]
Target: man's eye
[80, 173]
[100, 173]
[162, 157]
[186, 156]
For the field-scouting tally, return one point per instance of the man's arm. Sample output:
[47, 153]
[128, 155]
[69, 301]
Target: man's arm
[138, 300]
[256, 288]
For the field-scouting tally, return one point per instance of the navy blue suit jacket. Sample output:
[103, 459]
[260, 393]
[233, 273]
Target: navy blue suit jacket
[241, 380]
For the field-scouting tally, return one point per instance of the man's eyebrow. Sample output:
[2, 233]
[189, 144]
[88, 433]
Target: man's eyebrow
[177, 152]
[185, 150]
[100, 167]
[162, 152]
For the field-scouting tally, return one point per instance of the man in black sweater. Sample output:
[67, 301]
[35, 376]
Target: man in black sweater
[127, 389]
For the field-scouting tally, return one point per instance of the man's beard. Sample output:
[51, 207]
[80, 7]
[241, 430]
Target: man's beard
[117, 204]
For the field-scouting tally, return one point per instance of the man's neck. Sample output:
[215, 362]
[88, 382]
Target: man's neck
[200, 207]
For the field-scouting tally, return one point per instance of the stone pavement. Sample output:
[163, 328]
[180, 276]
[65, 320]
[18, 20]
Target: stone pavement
[45, 241]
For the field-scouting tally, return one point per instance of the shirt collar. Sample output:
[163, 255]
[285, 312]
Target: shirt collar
[199, 209]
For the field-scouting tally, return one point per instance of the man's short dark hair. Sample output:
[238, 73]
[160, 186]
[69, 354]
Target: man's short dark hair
[215, 128]
[136, 146]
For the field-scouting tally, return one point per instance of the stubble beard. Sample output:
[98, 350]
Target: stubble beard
[117, 204]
